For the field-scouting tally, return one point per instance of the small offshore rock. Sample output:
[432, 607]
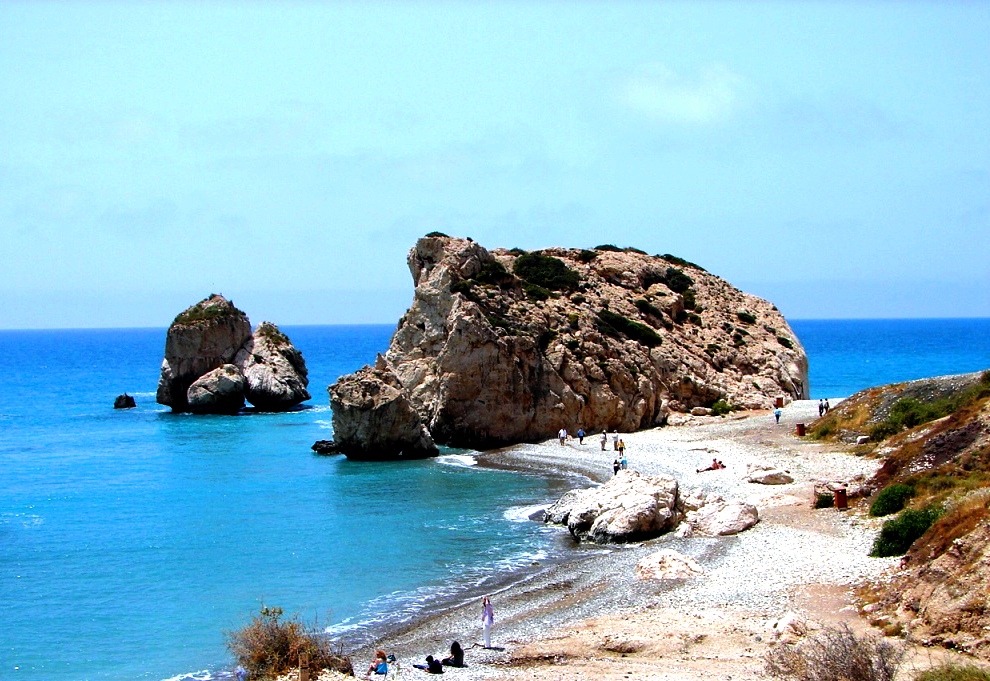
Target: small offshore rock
[124, 401]
[326, 447]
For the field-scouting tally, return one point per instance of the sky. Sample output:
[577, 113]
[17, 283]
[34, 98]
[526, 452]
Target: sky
[831, 157]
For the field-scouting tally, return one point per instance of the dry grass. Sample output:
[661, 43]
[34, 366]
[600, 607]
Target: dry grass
[836, 654]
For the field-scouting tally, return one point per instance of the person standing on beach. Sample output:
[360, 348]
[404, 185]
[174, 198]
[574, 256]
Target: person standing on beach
[604, 439]
[487, 620]
[776, 414]
[562, 435]
[615, 467]
[580, 435]
[615, 440]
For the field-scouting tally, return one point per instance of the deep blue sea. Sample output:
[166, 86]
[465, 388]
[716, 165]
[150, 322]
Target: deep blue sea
[131, 540]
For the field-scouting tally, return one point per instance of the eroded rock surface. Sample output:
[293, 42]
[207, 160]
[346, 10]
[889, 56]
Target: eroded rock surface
[373, 418]
[213, 334]
[501, 347]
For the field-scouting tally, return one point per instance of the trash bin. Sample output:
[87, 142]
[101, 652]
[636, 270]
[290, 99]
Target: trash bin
[800, 430]
[841, 501]
[779, 403]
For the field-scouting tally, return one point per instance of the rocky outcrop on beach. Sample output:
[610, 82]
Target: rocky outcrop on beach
[213, 363]
[629, 507]
[505, 346]
[668, 564]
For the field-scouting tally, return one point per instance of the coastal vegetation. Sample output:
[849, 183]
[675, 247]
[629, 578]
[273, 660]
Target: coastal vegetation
[897, 535]
[270, 646]
[891, 499]
[616, 326]
[212, 308]
[836, 654]
[546, 271]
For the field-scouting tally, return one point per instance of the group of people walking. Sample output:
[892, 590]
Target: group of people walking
[618, 445]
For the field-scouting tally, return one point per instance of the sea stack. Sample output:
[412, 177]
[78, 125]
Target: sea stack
[213, 363]
[501, 347]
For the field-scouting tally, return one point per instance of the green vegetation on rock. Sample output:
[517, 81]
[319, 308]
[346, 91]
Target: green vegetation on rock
[546, 271]
[616, 326]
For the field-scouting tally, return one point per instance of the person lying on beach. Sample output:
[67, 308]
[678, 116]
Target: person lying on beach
[431, 667]
[715, 465]
[456, 658]
[379, 665]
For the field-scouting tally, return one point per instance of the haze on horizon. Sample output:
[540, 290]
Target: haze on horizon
[833, 157]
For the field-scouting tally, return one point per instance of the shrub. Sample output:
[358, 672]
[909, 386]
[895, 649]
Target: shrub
[897, 535]
[517, 251]
[721, 408]
[608, 247]
[536, 292]
[586, 256]
[494, 273]
[630, 249]
[891, 500]
[824, 500]
[746, 317]
[836, 653]
[574, 319]
[270, 646]
[954, 672]
[689, 300]
[786, 342]
[681, 261]
[615, 325]
[438, 234]
[677, 281]
[579, 299]
[881, 431]
[646, 307]
[572, 344]
[694, 319]
[546, 271]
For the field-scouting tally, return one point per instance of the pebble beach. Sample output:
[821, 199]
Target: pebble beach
[590, 616]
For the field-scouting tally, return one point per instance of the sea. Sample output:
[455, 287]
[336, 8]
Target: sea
[133, 541]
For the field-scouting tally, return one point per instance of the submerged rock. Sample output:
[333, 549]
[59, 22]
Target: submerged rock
[501, 347]
[270, 371]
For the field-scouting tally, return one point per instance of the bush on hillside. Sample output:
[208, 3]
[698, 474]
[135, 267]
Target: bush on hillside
[891, 500]
[615, 325]
[608, 247]
[270, 646]
[897, 535]
[836, 654]
[677, 281]
[721, 408]
[546, 271]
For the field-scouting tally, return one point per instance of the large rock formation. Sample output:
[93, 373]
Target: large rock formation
[373, 419]
[213, 362]
[504, 346]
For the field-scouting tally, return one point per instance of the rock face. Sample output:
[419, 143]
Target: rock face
[629, 507]
[373, 418]
[501, 346]
[213, 362]
[274, 370]
[220, 391]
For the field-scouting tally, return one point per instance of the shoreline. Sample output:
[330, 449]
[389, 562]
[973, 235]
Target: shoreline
[795, 559]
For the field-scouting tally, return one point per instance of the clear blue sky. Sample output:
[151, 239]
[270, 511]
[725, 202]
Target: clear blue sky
[833, 158]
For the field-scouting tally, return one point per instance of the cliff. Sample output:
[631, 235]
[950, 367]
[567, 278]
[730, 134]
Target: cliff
[213, 363]
[506, 346]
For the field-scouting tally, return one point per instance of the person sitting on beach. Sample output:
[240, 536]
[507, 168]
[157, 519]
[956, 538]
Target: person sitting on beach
[456, 658]
[715, 465]
[379, 665]
[431, 667]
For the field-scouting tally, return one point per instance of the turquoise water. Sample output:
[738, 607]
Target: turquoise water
[130, 540]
